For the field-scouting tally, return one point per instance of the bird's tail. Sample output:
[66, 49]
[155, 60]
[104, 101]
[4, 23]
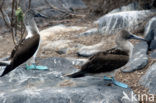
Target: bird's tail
[76, 75]
[7, 70]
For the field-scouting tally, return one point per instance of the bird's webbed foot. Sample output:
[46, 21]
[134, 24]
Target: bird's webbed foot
[36, 67]
[120, 84]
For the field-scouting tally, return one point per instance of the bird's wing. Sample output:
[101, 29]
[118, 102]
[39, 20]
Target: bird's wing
[23, 52]
[15, 48]
[26, 50]
[105, 62]
[113, 51]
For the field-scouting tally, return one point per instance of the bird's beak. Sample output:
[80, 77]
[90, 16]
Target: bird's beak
[132, 36]
[41, 15]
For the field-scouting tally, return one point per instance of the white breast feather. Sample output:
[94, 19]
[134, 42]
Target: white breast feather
[29, 35]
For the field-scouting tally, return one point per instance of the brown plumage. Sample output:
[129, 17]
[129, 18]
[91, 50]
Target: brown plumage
[22, 52]
[110, 60]
[103, 62]
[27, 46]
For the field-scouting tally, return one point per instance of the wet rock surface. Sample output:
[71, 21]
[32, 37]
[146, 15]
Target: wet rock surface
[25, 86]
[148, 79]
[139, 58]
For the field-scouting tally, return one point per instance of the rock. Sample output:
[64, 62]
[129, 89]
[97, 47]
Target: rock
[4, 58]
[3, 26]
[56, 45]
[87, 51]
[2, 23]
[152, 45]
[130, 7]
[139, 58]
[146, 4]
[25, 86]
[150, 32]
[89, 32]
[44, 8]
[61, 46]
[148, 79]
[52, 32]
[62, 51]
[77, 62]
[1, 37]
[62, 4]
[153, 54]
[103, 7]
[130, 20]
[154, 4]
[68, 50]
[150, 35]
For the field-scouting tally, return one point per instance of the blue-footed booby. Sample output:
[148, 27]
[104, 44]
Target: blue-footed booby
[27, 47]
[107, 62]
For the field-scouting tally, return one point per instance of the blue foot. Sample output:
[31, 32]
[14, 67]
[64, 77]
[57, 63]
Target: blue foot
[107, 78]
[123, 85]
[35, 67]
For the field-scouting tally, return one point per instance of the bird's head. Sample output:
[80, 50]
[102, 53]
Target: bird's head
[125, 35]
[122, 40]
[33, 13]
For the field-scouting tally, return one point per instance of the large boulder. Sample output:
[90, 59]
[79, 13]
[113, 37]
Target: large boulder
[150, 33]
[130, 7]
[87, 51]
[139, 58]
[150, 36]
[132, 21]
[148, 79]
[25, 86]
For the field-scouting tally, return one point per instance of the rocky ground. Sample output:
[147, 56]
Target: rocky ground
[131, 79]
[72, 42]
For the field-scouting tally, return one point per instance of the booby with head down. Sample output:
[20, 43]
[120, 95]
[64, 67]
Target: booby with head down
[109, 61]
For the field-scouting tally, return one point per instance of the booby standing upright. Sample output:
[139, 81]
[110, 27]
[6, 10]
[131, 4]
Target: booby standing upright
[109, 61]
[28, 46]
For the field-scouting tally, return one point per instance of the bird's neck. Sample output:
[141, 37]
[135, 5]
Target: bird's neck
[131, 47]
[126, 46]
[31, 28]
